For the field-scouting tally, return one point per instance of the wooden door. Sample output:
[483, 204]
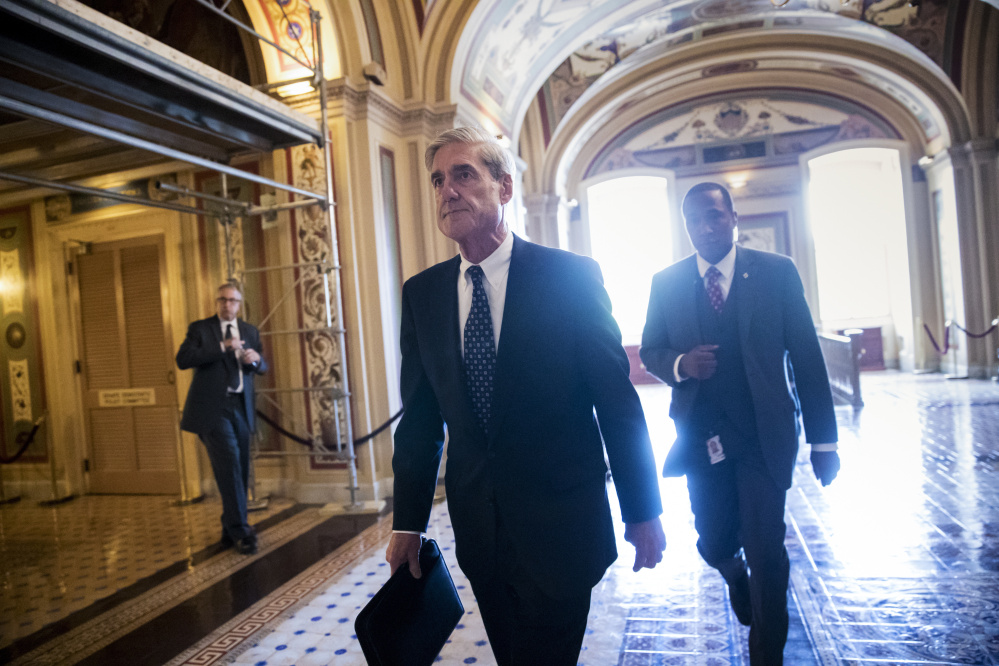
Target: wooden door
[130, 403]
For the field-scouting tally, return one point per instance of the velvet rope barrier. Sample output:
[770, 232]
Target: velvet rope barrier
[308, 442]
[26, 443]
[942, 350]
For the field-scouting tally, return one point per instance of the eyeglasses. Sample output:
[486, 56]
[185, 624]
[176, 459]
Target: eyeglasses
[231, 301]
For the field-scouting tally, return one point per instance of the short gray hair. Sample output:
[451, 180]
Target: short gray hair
[497, 159]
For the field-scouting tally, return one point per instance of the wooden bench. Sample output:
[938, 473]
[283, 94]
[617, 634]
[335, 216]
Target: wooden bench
[842, 355]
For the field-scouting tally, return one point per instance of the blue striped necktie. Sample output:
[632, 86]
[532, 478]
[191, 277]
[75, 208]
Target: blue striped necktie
[480, 350]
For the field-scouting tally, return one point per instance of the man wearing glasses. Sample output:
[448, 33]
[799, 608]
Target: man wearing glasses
[225, 354]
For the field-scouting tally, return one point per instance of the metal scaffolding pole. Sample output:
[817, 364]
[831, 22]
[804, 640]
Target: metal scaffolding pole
[316, 17]
[227, 210]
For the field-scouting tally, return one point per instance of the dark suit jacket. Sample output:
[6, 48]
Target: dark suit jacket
[774, 325]
[541, 471]
[201, 350]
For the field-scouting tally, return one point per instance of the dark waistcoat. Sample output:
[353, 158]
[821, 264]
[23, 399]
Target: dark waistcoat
[724, 404]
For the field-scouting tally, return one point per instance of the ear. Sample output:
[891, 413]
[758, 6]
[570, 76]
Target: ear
[506, 188]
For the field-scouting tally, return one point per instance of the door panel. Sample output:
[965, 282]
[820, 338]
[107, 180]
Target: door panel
[129, 400]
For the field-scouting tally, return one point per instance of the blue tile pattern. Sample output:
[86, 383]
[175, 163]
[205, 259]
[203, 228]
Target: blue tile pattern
[895, 563]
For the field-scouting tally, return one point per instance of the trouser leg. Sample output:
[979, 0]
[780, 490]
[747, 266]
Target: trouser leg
[738, 508]
[526, 626]
[227, 445]
[761, 504]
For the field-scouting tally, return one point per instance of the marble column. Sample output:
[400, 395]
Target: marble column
[968, 236]
[542, 218]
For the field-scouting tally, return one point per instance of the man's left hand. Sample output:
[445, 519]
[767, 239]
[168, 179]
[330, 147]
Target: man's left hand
[825, 464]
[250, 356]
[649, 542]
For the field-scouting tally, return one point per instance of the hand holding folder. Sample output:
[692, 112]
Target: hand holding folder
[408, 620]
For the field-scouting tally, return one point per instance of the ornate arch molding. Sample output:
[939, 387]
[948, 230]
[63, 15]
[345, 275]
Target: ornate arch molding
[288, 25]
[978, 72]
[399, 31]
[440, 44]
[888, 76]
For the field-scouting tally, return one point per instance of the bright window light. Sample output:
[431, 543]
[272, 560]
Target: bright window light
[856, 209]
[630, 238]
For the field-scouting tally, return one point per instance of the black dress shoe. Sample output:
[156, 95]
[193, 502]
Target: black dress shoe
[226, 541]
[247, 545]
[738, 596]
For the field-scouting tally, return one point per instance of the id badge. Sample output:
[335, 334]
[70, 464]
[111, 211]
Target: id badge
[715, 451]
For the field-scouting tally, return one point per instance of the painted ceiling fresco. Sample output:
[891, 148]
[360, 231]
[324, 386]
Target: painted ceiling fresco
[519, 39]
[924, 27]
[738, 128]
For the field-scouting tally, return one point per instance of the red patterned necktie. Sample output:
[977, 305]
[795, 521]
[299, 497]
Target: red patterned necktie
[714, 289]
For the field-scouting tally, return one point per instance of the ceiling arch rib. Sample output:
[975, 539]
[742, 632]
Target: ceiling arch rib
[508, 48]
[891, 79]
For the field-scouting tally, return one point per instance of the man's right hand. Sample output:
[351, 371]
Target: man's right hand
[405, 548]
[232, 343]
[699, 362]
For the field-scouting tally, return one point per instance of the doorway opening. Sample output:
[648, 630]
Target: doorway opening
[631, 238]
[857, 212]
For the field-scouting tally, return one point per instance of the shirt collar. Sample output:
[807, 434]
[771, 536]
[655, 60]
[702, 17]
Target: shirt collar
[226, 322]
[496, 264]
[726, 266]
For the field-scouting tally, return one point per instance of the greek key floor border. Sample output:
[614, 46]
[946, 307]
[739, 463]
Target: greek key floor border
[89, 637]
[237, 635]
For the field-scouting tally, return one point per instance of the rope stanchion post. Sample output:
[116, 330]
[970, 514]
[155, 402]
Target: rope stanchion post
[56, 499]
[25, 440]
[948, 325]
[314, 451]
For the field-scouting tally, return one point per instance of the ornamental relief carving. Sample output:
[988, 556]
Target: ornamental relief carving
[317, 293]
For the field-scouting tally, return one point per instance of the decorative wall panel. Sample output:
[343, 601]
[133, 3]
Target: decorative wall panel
[322, 356]
[22, 397]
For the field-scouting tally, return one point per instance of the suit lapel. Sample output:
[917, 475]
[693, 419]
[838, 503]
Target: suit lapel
[514, 331]
[687, 299]
[451, 333]
[442, 307]
[742, 279]
[216, 325]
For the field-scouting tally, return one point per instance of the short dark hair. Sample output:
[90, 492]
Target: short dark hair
[708, 186]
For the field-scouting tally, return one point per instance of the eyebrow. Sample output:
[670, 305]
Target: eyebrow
[456, 169]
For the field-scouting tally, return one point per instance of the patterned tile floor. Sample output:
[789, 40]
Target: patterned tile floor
[55, 560]
[896, 563]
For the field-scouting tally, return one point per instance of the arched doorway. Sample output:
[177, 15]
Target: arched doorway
[629, 231]
[857, 219]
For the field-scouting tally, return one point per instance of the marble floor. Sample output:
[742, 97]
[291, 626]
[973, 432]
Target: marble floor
[897, 562]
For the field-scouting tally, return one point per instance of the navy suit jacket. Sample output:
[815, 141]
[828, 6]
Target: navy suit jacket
[775, 326]
[541, 471]
[202, 351]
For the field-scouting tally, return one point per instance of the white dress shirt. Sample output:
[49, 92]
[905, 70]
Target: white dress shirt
[239, 363]
[496, 268]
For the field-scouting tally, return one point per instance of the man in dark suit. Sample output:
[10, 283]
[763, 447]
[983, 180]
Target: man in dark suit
[512, 347]
[729, 329]
[225, 354]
